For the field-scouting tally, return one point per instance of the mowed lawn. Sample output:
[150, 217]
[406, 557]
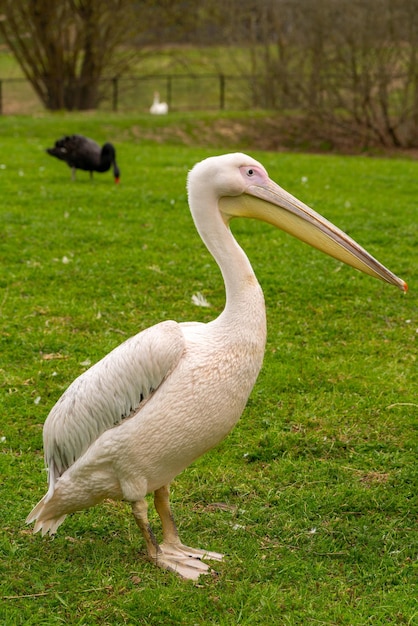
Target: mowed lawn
[313, 496]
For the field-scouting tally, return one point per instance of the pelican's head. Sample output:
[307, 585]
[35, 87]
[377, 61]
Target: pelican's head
[242, 188]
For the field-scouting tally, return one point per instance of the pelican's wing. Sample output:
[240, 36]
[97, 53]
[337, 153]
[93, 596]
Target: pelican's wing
[110, 391]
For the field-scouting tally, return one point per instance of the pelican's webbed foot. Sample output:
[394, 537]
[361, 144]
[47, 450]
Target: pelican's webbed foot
[184, 561]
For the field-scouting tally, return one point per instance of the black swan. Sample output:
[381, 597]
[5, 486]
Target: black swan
[83, 153]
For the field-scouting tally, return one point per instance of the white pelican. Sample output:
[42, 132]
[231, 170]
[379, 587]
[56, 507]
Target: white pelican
[157, 107]
[128, 425]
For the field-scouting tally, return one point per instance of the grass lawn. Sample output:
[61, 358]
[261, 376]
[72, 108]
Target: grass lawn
[313, 496]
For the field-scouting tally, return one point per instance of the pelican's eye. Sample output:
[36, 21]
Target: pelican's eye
[256, 174]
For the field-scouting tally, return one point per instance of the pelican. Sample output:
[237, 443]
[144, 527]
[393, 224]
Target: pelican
[157, 107]
[132, 422]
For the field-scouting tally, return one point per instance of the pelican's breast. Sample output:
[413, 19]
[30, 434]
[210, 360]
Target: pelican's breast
[217, 374]
[194, 409]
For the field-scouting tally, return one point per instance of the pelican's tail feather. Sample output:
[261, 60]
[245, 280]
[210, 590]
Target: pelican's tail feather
[44, 519]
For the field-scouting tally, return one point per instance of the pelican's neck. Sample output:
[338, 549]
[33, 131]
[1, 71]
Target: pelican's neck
[244, 297]
[241, 284]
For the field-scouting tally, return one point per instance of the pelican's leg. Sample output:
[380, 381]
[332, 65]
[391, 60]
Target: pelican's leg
[173, 559]
[140, 511]
[73, 173]
[184, 560]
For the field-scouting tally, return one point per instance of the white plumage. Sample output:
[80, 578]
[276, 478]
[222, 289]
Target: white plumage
[132, 422]
[157, 107]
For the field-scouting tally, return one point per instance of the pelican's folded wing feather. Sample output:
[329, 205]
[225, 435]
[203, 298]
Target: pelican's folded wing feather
[108, 392]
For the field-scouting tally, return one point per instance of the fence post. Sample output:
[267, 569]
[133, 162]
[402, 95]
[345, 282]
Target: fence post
[221, 92]
[114, 94]
[169, 90]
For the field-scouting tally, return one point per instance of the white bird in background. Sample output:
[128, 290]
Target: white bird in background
[128, 425]
[157, 107]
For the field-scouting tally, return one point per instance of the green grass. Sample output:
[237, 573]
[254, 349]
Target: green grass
[318, 481]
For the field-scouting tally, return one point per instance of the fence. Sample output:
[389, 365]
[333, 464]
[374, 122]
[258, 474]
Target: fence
[182, 92]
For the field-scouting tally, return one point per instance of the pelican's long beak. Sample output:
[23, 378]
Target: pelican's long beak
[270, 203]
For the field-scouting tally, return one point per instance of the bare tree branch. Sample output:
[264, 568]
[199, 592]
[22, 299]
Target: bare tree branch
[65, 47]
